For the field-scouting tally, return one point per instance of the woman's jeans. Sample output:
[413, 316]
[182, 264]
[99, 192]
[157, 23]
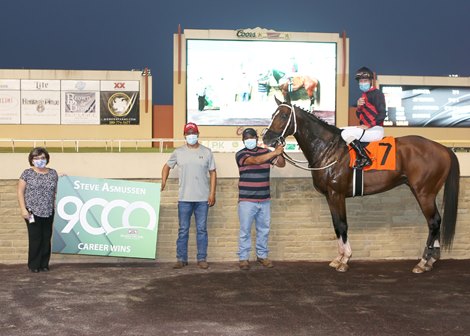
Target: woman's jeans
[260, 212]
[185, 211]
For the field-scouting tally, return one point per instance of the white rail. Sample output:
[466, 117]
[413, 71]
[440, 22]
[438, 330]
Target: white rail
[111, 144]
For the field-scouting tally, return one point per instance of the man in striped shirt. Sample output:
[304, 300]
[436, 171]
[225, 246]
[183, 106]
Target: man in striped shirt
[254, 203]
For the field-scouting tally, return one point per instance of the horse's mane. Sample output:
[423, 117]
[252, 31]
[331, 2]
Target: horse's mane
[333, 129]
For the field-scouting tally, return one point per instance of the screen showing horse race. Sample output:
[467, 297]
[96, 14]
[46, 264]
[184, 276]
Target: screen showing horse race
[234, 82]
[427, 106]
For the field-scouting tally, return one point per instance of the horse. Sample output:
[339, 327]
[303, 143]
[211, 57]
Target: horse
[290, 87]
[422, 164]
[293, 84]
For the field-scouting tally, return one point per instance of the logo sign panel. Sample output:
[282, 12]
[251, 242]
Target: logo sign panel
[10, 107]
[40, 107]
[119, 102]
[68, 102]
[80, 107]
[106, 217]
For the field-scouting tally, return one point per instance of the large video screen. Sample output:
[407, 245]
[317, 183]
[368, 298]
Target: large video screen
[427, 106]
[233, 82]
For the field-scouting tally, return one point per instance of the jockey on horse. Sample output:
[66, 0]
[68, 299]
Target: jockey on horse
[371, 114]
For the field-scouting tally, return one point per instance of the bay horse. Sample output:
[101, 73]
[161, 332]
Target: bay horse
[310, 84]
[291, 86]
[424, 165]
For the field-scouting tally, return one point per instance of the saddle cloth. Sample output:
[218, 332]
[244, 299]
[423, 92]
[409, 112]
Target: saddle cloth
[382, 153]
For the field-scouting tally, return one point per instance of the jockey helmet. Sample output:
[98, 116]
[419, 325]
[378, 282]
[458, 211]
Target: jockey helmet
[364, 73]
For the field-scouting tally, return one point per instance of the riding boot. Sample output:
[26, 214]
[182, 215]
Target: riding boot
[362, 159]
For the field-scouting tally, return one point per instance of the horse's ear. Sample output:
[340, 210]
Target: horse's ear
[278, 102]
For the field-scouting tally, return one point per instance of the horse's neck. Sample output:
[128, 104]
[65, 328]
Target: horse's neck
[314, 145]
[316, 140]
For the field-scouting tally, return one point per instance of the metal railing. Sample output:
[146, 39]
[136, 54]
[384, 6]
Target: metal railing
[108, 144]
[119, 144]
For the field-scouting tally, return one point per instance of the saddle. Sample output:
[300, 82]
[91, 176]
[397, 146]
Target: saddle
[382, 153]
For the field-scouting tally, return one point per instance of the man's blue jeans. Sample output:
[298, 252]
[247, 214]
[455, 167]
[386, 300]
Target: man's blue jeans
[260, 212]
[185, 211]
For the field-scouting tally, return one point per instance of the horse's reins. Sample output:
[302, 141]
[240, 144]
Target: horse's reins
[282, 141]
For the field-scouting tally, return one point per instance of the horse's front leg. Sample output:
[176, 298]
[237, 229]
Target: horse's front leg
[337, 205]
[344, 254]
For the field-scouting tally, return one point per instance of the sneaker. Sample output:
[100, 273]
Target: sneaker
[265, 262]
[244, 265]
[180, 264]
[203, 264]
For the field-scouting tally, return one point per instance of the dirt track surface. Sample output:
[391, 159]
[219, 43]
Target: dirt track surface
[294, 298]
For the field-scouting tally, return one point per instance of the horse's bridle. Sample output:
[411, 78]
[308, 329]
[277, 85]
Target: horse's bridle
[281, 140]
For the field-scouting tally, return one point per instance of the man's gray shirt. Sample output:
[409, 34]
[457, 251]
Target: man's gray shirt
[194, 165]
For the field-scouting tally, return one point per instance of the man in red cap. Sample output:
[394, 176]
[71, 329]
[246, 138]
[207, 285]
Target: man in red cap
[190, 128]
[197, 182]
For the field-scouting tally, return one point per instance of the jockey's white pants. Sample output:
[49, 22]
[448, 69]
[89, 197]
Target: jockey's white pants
[351, 133]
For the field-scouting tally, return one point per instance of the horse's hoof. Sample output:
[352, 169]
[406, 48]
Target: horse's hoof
[421, 269]
[335, 263]
[428, 267]
[418, 269]
[342, 267]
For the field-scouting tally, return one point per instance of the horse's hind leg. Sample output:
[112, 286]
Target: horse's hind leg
[432, 249]
[311, 95]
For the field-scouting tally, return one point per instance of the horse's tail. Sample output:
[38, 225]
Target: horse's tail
[451, 202]
[317, 93]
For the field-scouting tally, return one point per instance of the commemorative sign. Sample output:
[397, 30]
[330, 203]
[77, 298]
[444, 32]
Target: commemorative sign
[106, 217]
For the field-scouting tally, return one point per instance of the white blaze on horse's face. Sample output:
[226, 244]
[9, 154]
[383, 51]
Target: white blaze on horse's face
[286, 119]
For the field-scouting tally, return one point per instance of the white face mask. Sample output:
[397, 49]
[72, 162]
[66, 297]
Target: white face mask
[250, 143]
[364, 87]
[40, 163]
[191, 139]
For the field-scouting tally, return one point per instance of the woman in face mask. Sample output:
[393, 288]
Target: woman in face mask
[36, 197]
[371, 114]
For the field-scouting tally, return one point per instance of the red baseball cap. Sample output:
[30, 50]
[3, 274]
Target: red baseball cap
[190, 126]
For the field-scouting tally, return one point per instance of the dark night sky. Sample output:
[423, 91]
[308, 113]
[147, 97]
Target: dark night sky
[400, 37]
